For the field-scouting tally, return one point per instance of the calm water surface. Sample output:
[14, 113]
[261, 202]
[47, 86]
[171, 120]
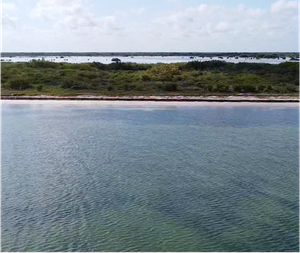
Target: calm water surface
[92, 177]
[142, 59]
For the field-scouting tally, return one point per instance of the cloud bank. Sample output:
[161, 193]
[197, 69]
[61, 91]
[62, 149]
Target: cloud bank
[75, 26]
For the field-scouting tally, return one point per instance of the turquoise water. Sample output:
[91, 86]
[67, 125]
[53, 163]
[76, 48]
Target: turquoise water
[92, 177]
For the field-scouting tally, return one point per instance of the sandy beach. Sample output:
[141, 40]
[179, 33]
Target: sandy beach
[143, 104]
[176, 98]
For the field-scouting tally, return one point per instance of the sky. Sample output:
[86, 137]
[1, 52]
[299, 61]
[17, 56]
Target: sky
[149, 26]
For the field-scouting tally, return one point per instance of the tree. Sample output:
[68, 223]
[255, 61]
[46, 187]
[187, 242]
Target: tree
[117, 60]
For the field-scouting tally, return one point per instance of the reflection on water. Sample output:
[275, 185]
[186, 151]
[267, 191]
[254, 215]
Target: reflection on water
[104, 178]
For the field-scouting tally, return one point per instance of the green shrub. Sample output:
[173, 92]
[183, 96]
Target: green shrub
[170, 87]
[213, 65]
[19, 84]
[260, 88]
[72, 84]
[39, 87]
[244, 88]
[279, 89]
[194, 73]
[268, 87]
[291, 88]
[88, 74]
[208, 87]
[151, 78]
[67, 83]
[163, 72]
[43, 64]
[146, 77]
[53, 83]
[126, 87]
[297, 82]
[81, 66]
[222, 87]
[139, 87]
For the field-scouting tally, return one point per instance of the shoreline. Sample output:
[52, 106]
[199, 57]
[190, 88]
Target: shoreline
[180, 99]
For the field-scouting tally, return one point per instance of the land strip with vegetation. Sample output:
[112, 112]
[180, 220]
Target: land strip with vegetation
[187, 79]
[256, 55]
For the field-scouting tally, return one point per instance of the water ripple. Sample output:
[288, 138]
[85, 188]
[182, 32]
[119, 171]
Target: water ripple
[108, 179]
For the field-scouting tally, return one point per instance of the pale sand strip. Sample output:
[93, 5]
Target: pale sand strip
[146, 104]
[176, 98]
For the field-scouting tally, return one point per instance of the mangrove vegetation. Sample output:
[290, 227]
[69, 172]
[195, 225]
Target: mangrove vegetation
[192, 78]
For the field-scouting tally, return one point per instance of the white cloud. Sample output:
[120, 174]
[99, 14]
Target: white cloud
[74, 15]
[283, 5]
[70, 13]
[232, 29]
[73, 26]
[223, 27]
[8, 21]
[173, 1]
[8, 7]
[137, 11]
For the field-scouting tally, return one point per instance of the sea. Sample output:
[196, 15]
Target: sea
[149, 176]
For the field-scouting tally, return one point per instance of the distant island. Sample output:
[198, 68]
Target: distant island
[195, 78]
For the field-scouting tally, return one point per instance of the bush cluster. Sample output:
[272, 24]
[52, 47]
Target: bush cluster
[19, 84]
[194, 77]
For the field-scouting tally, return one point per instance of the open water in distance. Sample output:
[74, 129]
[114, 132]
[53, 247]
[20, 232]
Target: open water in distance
[142, 59]
[95, 177]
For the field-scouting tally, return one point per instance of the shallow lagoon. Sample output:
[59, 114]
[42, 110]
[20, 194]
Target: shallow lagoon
[149, 177]
[141, 59]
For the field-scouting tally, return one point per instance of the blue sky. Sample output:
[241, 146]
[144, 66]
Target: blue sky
[156, 25]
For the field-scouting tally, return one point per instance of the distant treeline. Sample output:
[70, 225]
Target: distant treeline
[191, 78]
[258, 55]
